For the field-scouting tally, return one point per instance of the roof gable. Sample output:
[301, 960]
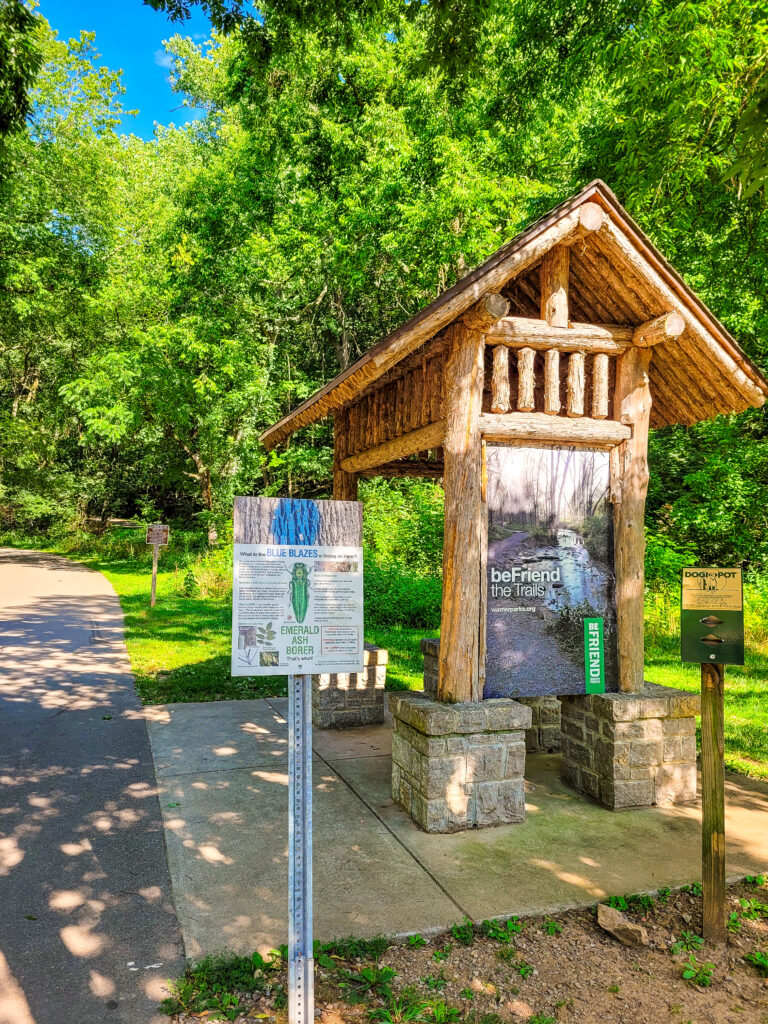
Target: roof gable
[617, 276]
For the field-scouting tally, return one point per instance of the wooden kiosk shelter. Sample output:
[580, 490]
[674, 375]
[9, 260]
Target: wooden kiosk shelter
[577, 333]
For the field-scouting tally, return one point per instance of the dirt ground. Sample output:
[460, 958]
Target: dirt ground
[579, 974]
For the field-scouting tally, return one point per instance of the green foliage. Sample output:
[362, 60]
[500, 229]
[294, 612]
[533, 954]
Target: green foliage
[758, 959]
[753, 910]
[542, 1018]
[464, 933]
[695, 973]
[434, 984]
[550, 927]
[213, 983]
[502, 931]
[440, 955]
[366, 982]
[688, 941]
[756, 880]
[353, 948]
[733, 924]
[416, 941]
[402, 1009]
[693, 889]
[663, 894]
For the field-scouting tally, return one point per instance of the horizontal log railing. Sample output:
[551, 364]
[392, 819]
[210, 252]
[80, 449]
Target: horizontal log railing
[538, 428]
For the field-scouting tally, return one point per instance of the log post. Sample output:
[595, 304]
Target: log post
[526, 381]
[600, 386]
[344, 484]
[459, 678]
[553, 277]
[500, 380]
[632, 405]
[552, 382]
[575, 386]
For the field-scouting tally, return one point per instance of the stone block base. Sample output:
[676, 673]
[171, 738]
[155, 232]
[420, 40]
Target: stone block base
[430, 648]
[355, 698]
[544, 733]
[631, 749]
[458, 766]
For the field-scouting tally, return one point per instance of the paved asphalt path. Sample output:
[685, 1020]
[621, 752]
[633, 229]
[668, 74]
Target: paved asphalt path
[88, 930]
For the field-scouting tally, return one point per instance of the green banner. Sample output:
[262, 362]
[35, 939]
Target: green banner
[594, 656]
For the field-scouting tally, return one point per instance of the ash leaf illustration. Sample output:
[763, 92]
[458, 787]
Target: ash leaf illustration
[265, 634]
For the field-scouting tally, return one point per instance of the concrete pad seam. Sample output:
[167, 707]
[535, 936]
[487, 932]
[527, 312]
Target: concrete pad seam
[396, 838]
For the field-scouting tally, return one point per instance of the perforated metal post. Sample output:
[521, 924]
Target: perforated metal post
[301, 964]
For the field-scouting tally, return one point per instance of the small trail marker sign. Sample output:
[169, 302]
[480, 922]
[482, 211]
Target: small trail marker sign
[157, 535]
[712, 634]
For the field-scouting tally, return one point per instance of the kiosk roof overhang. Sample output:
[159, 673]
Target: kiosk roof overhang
[699, 375]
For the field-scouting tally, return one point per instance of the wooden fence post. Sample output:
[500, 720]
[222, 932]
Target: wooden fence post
[712, 802]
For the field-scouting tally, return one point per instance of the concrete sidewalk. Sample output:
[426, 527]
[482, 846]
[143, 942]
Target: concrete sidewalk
[222, 773]
[88, 932]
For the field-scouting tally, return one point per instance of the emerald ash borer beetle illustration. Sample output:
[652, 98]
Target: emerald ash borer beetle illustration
[299, 590]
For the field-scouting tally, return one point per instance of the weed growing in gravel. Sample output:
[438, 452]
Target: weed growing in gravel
[441, 1013]
[551, 927]
[756, 880]
[434, 984]
[442, 954]
[663, 894]
[697, 974]
[523, 969]
[416, 941]
[212, 982]
[614, 988]
[506, 953]
[368, 981]
[464, 933]
[694, 889]
[401, 1010]
[687, 942]
[467, 993]
[540, 1018]
[733, 924]
[638, 902]
[502, 931]
[758, 959]
[753, 910]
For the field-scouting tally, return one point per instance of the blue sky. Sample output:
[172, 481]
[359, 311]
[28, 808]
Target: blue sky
[130, 36]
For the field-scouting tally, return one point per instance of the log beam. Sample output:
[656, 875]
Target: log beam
[409, 444]
[430, 468]
[486, 312]
[460, 622]
[663, 328]
[539, 428]
[522, 332]
[632, 403]
[344, 483]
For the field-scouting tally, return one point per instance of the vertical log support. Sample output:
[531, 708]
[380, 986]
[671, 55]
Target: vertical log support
[630, 468]
[500, 380]
[575, 387]
[526, 381]
[553, 278]
[344, 484]
[552, 382]
[458, 678]
[462, 623]
[600, 386]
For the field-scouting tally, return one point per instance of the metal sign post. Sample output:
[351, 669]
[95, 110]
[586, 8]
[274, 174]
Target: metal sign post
[301, 964]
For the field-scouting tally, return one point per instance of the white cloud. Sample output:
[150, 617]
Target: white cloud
[163, 59]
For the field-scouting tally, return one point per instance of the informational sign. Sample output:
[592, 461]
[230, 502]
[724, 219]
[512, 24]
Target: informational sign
[551, 614]
[297, 606]
[712, 618]
[157, 534]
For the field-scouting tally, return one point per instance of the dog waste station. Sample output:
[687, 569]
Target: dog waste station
[529, 388]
